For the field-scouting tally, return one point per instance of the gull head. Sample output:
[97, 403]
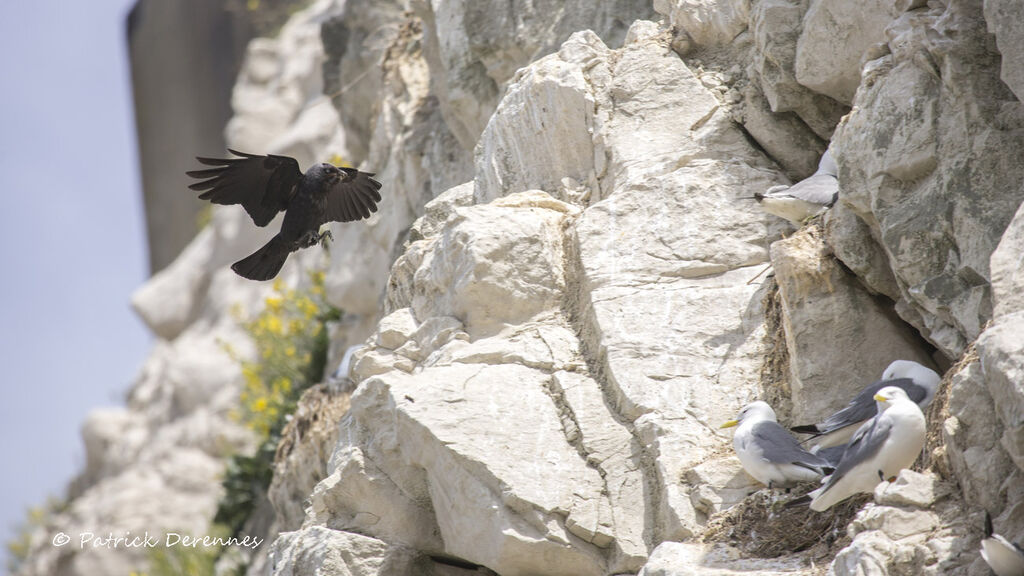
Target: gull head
[910, 369]
[889, 395]
[755, 411]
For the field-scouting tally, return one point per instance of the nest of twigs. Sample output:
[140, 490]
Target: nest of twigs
[763, 527]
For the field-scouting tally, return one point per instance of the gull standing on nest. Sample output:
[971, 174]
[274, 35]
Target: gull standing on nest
[919, 382]
[768, 452]
[883, 446]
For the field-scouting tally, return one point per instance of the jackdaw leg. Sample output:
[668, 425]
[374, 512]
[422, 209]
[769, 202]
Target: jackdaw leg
[324, 237]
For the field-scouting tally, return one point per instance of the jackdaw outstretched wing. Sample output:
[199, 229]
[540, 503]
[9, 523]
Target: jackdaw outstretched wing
[263, 185]
[353, 197]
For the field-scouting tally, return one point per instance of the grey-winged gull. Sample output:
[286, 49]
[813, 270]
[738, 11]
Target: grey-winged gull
[831, 454]
[883, 446]
[807, 197]
[919, 382]
[1004, 557]
[768, 452]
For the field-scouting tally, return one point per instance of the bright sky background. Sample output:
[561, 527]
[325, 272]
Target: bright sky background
[72, 239]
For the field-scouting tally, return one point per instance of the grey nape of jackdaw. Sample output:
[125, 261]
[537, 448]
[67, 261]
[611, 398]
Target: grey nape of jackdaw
[266, 185]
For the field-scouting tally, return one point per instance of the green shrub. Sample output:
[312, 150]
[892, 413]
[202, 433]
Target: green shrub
[36, 517]
[290, 337]
[291, 344]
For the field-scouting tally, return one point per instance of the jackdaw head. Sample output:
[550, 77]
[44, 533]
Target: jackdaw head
[324, 172]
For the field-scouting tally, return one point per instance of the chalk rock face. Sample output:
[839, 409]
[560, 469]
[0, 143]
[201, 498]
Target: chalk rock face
[706, 22]
[839, 338]
[684, 559]
[985, 430]
[466, 485]
[913, 528]
[174, 298]
[355, 41]
[321, 551]
[835, 37]
[789, 120]
[1001, 17]
[303, 453]
[973, 436]
[276, 83]
[909, 182]
[474, 48]
[483, 324]
[664, 180]
[784, 136]
[1007, 273]
[776, 26]
[409, 147]
[1003, 364]
[154, 465]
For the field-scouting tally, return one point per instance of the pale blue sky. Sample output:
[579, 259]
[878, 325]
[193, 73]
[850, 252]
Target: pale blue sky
[72, 242]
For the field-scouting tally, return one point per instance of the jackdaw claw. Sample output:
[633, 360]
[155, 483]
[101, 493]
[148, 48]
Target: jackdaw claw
[325, 237]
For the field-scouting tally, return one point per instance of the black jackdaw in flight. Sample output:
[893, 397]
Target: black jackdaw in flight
[266, 185]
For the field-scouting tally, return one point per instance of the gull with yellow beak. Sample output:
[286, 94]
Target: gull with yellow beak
[768, 452]
[880, 448]
[918, 381]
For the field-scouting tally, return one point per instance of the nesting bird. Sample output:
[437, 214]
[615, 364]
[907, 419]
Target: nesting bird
[880, 448]
[831, 454]
[919, 382]
[1004, 557]
[807, 197]
[768, 452]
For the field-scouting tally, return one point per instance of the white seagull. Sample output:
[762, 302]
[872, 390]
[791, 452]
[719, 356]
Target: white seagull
[880, 448]
[807, 197]
[919, 382]
[1004, 557]
[768, 452]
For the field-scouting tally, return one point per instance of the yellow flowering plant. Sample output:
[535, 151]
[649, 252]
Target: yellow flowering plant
[291, 345]
[290, 337]
[36, 518]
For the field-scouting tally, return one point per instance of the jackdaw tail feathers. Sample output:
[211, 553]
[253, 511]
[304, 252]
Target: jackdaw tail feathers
[264, 263]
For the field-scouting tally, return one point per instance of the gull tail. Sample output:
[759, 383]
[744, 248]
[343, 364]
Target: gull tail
[264, 263]
[806, 429]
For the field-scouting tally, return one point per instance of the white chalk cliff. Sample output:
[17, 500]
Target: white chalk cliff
[560, 297]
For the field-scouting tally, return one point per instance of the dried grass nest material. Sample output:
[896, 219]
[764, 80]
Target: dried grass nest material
[761, 526]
